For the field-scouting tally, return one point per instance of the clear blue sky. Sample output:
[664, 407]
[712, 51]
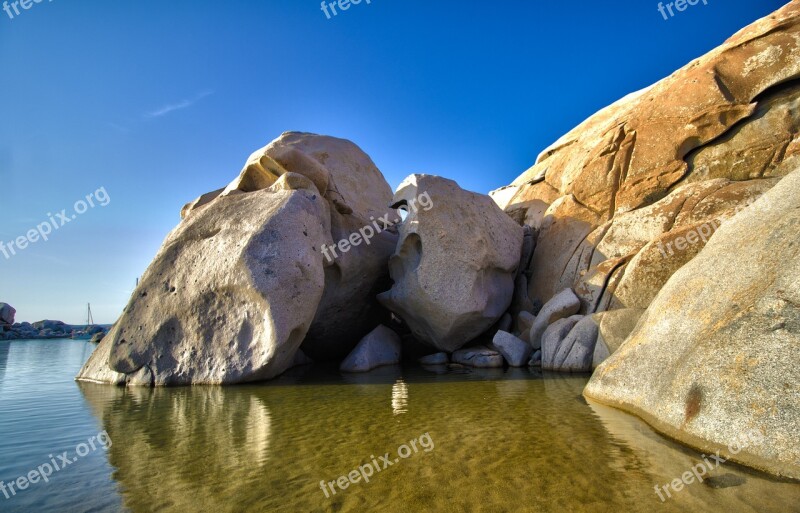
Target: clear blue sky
[159, 102]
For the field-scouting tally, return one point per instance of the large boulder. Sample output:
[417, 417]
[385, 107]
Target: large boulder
[358, 197]
[661, 169]
[716, 353]
[455, 263]
[7, 313]
[230, 295]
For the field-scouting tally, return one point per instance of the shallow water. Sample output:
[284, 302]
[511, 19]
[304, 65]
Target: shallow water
[496, 442]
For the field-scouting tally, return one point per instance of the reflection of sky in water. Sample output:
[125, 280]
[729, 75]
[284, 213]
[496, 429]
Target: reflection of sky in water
[400, 397]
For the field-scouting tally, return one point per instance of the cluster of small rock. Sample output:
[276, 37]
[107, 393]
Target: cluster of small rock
[47, 329]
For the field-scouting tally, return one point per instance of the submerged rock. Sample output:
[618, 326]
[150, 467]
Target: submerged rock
[455, 262]
[380, 347]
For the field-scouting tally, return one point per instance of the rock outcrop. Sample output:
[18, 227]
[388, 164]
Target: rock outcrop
[380, 347]
[616, 197]
[733, 313]
[455, 263]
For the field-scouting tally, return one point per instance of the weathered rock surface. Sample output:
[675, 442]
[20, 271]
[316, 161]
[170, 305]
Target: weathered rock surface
[515, 351]
[229, 297]
[554, 335]
[734, 313]
[380, 347]
[661, 165]
[615, 327]
[357, 195]
[455, 263]
[563, 305]
[481, 357]
[575, 352]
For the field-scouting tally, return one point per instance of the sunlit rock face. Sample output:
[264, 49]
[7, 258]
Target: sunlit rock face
[614, 196]
[716, 354]
[245, 279]
[357, 195]
[229, 297]
[455, 263]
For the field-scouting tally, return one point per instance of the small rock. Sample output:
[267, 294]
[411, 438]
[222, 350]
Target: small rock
[380, 347]
[536, 359]
[515, 351]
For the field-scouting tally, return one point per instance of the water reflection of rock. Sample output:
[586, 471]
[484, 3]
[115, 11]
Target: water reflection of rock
[666, 460]
[168, 444]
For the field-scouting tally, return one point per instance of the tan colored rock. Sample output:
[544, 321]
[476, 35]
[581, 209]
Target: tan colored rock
[715, 355]
[659, 164]
[615, 327]
[229, 298]
[455, 263]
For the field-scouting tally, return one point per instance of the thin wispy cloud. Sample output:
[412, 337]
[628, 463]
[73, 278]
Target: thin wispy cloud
[184, 104]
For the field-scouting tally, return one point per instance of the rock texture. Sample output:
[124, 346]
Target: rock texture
[515, 351]
[575, 352]
[554, 335]
[357, 194]
[734, 313]
[380, 347]
[455, 263]
[614, 329]
[660, 164]
[229, 297]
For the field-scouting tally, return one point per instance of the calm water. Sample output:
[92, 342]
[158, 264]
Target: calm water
[501, 442]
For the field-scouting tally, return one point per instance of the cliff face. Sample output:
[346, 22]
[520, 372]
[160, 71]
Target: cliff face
[680, 202]
[613, 197]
